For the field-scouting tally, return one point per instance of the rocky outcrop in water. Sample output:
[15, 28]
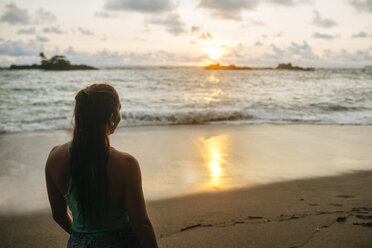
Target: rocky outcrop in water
[289, 66]
[279, 67]
[55, 63]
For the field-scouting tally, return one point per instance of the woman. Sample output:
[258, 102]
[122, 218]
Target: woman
[101, 186]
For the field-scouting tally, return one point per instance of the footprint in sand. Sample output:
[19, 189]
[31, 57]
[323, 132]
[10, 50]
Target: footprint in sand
[341, 219]
[362, 210]
[335, 204]
[365, 224]
[313, 204]
[255, 217]
[364, 217]
[345, 196]
[239, 222]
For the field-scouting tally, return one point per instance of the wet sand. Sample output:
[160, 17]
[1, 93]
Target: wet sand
[246, 186]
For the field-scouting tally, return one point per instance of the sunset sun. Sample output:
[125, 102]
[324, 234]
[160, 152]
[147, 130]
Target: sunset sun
[213, 51]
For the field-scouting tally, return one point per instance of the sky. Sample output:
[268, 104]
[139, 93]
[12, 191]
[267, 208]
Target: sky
[320, 33]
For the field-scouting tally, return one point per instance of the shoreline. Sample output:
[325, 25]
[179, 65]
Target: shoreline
[183, 159]
[120, 128]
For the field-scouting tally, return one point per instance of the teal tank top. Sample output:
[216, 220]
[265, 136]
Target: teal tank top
[116, 218]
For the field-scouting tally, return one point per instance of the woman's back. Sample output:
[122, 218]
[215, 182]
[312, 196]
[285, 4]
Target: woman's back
[101, 186]
[115, 217]
[116, 171]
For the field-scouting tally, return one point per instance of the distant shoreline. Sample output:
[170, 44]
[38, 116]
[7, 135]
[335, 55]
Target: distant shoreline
[55, 63]
[166, 67]
[282, 66]
[56, 68]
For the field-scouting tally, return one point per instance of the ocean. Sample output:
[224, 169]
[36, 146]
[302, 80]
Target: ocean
[33, 100]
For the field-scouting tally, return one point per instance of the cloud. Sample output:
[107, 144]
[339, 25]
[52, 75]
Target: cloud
[232, 10]
[53, 30]
[85, 31]
[258, 43]
[195, 29]
[20, 48]
[171, 22]
[253, 23]
[41, 38]
[105, 57]
[43, 16]
[26, 31]
[345, 58]
[294, 51]
[14, 15]
[229, 10]
[301, 54]
[362, 5]
[105, 14]
[257, 23]
[289, 3]
[324, 23]
[361, 34]
[298, 53]
[324, 36]
[206, 36]
[143, 6]
[282, 2]
[303, 50]
[139, 39]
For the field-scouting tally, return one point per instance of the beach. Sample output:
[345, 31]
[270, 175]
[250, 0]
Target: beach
[215, 185]
[251, 120]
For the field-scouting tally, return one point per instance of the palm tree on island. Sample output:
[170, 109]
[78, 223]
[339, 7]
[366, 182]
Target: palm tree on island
[55, 63]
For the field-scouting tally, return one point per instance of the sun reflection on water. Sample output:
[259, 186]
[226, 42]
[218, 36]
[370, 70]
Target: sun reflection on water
[212, 96]
[211, 93]
[214, 154]
[212, 78]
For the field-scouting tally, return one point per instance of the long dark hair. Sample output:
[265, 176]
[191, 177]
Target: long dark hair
[90, 149]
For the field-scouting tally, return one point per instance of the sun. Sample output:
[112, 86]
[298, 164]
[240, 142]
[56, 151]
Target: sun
[214, 52]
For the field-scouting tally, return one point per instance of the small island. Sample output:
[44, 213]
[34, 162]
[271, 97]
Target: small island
[226, 67]
[279, 67]
[55, 63]
[289, 66]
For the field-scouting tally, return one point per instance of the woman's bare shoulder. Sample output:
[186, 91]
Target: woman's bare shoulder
[123, 160]
[57, 156]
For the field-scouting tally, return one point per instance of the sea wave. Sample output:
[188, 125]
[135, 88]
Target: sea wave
[33, 101]
[340, 116]
[330, 107]
[185, 117]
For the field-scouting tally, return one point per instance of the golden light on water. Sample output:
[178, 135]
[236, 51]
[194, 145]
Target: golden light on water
[211, 97]
[214, 93]
[214, 152]
[213, 78]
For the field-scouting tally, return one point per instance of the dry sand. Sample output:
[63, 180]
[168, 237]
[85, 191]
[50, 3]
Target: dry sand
[322, 212]
[333, 211]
